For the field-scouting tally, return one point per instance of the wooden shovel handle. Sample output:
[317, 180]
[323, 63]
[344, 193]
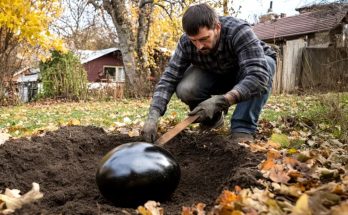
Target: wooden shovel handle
[176, 130]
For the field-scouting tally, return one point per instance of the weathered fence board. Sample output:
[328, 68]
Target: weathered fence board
[325, 69]
[292, 53]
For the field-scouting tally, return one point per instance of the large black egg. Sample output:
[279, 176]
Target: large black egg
[133, 173]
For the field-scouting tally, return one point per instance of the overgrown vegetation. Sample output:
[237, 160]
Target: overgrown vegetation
[63, 77]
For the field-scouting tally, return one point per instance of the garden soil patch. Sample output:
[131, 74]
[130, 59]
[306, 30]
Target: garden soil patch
[64, 163]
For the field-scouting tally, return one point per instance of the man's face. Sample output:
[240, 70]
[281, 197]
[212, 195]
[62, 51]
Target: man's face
[206, 39]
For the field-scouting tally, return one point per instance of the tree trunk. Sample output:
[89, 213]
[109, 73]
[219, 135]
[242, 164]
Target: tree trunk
[131, 46]
[225, 7]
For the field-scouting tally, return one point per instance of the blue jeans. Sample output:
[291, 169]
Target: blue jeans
[198, 85]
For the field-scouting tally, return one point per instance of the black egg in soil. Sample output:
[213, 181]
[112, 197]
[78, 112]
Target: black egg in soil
[133, 173]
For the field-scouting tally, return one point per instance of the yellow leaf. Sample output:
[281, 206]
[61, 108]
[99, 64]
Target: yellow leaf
[74, 122]
[292, 151]
[302, 206]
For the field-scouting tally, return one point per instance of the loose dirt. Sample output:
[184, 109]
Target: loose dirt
[64, 163]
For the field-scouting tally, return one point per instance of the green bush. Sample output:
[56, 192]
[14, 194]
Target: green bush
[331, 114]
[63, 76]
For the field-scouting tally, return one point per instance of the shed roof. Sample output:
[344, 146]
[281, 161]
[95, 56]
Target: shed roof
[301, 24]
[89, 55]
[28, 78]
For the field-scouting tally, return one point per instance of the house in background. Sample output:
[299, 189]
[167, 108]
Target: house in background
[313, 46]
[27, 82]
[104, 70]
[105, 73]
[103, 65]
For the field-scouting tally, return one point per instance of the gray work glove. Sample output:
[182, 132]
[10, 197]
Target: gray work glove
[208, 108]
[149, 131]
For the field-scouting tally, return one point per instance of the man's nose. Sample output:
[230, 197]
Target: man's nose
[199, 45]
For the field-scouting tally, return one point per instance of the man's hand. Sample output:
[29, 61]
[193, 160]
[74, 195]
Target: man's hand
[149, 131]
[208, 108]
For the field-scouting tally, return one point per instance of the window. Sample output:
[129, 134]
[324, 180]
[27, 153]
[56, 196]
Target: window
[115, 73]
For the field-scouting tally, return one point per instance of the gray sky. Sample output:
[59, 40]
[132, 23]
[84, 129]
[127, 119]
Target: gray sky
[258, 7]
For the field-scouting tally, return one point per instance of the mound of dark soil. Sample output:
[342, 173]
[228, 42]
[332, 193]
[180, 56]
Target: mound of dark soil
[64, 163]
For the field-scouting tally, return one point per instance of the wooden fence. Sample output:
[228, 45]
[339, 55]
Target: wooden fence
[288, 67]
[324, 69]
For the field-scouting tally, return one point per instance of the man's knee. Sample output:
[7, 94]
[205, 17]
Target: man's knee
[186, 92]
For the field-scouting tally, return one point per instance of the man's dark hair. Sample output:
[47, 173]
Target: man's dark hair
[198, 16]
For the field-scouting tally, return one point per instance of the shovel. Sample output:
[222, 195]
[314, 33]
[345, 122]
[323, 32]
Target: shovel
[176, 130]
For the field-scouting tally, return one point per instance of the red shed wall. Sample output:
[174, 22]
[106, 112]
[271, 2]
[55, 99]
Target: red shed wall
[95, 67]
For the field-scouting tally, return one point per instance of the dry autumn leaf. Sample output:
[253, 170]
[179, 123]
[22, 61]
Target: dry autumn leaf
[74, 122]
[197, 210]
[12, 200]
[277, 174]
[267, 165]
[134, 133]
[273, 154]
[150, 208]
[302, 206]
[4, 137]
[341, 209]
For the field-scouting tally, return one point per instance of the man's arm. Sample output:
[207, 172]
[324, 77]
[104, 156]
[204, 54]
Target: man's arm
[173, 73]
[254, 74]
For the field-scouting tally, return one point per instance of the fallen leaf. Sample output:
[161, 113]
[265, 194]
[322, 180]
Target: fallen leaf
[134, 133]
[281, 139]
[274, 144]
[320, 201]
[123, 130]
[227, 197]
[340, 209]
[13, 200]
[200, 209]
[267, 165]
[256, 147]
[273, 154]
[290, 161]
[277, 174]
[150, 208]
[197, 210]
[4, 137]
[292, 190]
[302, 206]
[127, 120]
[74, 122]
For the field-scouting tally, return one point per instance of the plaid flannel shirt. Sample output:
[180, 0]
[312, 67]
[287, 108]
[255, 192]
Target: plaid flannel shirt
[239, 51]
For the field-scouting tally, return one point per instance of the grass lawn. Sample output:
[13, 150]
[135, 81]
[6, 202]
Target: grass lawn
[327, 111]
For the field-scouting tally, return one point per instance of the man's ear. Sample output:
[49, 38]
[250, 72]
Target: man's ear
[218, 26]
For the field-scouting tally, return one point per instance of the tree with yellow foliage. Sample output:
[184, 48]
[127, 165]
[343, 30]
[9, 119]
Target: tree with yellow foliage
[143, 26]
[24, 31]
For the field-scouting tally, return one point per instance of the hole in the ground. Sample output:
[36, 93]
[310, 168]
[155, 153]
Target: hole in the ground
[64, 163]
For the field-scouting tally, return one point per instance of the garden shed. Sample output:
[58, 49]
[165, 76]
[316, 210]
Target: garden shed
[312, 46]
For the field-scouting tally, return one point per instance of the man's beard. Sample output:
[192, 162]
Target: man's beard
[206, 51]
